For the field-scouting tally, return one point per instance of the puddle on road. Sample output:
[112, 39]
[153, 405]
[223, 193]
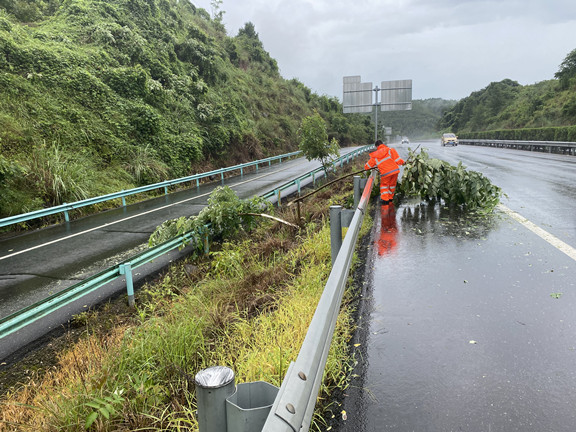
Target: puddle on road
[462, 331]
[425, 225]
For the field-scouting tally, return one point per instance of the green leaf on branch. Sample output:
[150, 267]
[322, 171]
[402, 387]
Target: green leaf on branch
[435, 179]
[224, 216]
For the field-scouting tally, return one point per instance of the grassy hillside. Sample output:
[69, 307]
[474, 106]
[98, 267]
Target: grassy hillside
[509, 105]
[98, 96]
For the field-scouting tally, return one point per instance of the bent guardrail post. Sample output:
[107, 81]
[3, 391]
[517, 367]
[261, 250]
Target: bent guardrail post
[248, 408]
[294, 405]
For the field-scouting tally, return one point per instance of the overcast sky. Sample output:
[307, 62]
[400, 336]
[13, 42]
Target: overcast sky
[449, 48]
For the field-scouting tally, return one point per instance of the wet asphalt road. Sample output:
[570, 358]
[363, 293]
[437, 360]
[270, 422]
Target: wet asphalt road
[470, 325]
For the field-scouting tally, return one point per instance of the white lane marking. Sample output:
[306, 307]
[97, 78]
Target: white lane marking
[130, 217]
[553, 240]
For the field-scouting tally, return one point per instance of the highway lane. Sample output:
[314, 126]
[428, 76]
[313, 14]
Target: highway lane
[39, 263]
[469, 324]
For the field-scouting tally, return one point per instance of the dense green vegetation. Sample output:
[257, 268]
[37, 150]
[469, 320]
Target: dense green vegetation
[508, 105]
[98, 96]
[562, 133]
[222, 218]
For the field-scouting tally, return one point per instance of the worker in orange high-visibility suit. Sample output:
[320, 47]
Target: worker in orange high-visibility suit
[387, 160]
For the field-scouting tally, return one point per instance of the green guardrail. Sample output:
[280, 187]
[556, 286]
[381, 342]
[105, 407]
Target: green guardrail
[32, 313]
[65, 208]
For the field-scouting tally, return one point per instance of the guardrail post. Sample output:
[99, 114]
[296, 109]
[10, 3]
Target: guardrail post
[314, 179]
[213, 386]
[335, 231]
[66, 215]
[248, 408]
[123, 200]
[126, 269]
[165, 190]
[206, 244]
[359, 184]
[298, 184]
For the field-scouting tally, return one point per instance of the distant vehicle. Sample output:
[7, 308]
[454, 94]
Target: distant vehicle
[405, 140]
[449, 139]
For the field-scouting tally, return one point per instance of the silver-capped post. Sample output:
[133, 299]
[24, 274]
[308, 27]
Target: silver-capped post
[213, 386]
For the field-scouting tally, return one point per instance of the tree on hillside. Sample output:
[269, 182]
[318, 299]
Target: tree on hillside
[567, 70]
[314, 140]
[217, 13]
[255, 55]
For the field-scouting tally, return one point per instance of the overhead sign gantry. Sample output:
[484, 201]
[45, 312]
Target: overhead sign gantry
[394, 96]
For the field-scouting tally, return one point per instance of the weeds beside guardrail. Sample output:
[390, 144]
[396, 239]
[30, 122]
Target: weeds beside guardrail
[294, 405]
[260, 406]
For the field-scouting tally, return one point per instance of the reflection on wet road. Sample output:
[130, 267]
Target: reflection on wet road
[470, 324]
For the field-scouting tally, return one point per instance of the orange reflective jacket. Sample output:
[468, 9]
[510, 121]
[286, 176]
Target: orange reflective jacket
[386, 159]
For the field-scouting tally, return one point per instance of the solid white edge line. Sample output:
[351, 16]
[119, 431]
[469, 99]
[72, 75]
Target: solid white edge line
[553, 240]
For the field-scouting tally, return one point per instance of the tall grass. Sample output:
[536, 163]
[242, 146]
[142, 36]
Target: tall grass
[59, 176]
[145, 166]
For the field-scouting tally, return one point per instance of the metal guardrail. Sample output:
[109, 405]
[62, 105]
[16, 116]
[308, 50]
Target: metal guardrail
[65, 208]
[563, 147]
[318, 172]
[32, 313]
[294, 405]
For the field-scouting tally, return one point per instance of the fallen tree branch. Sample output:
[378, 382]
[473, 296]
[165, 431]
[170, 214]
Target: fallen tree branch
[270, 217]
